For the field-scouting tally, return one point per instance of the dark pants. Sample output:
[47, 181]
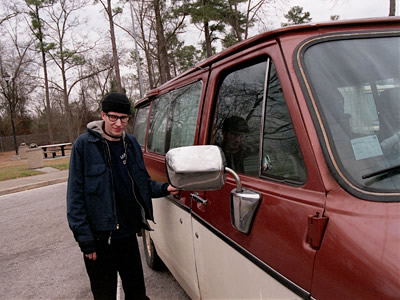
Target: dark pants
[121, 256]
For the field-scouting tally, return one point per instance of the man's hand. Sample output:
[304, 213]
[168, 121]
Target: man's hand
[91, 255]
[172, 190]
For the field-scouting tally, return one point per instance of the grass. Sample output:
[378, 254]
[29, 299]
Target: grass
[58, 166]
[16, 172]
[20, 168]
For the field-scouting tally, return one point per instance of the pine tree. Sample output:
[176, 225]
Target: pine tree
[296, 16]
[210, 16]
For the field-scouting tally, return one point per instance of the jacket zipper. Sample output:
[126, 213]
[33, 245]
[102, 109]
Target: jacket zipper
[108, 154]
[142, 210]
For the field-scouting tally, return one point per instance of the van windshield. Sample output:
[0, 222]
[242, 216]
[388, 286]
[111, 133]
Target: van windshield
[356, 88]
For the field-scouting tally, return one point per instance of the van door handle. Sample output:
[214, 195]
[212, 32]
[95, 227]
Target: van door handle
[197, 198]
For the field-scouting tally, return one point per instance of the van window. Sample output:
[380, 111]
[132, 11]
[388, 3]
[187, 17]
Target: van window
[174, 118]
[238, 124]
[185, 108]
[281, 158]
[140, 126]
[237, 121]
[158, 125]
[356, 87]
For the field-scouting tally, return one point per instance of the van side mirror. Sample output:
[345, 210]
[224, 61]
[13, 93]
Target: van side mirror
[196, 168]
[202, 168]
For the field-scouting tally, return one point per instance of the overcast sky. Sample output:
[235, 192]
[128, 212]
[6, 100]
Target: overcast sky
[321, 10]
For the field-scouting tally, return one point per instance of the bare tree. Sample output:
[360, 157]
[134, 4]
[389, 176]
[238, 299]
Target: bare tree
[146, 26]
[17, 73]
[67, 54]
[36, 26]
[143, 13]
[7, 17]
[8, 11]
[93, 88]
[110, 15]
[101, 66]
[165, 73]
[254, 8]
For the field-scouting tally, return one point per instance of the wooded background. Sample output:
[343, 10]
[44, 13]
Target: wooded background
[55, 69]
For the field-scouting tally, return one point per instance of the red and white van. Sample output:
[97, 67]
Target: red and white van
[292, 188]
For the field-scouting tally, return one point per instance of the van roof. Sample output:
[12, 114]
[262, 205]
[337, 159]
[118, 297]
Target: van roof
[272, 34]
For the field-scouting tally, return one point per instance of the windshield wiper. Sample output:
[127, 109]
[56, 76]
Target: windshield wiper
[383, 171]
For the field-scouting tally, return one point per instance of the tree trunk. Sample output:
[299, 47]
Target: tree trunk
[207, 39]
[235, 22]
[67, 109]
[84, 108]
[48, 105]
[46, 88]
[114, 48]
[149, 66]
[165, 74]
[392, 8]
[46, 80]
[146, 50]
[65, 97]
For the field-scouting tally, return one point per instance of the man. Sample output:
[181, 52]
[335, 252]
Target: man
[234, 131]
[109, 201]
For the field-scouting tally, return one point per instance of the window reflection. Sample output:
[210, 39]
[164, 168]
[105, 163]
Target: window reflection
[139, 130]
[174, 118]
[158, 125]
[281, 153]
[185, 107]
[356, 85]
[237, 122]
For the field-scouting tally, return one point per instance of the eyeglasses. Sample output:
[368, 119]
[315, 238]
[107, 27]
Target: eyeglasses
[114, 118]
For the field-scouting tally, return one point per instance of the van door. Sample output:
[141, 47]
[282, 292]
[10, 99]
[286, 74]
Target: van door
[255, 119]
[174, 119]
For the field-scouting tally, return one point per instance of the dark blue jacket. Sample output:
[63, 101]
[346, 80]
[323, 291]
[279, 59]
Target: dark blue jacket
[90, 195]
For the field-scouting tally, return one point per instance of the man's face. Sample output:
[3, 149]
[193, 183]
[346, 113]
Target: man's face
[114, 125]
[233, 140]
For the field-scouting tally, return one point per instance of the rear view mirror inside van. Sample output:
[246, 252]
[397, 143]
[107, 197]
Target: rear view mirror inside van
[198, 168]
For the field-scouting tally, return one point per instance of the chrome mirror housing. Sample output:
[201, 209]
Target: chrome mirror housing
[196, 168]
[244, 205]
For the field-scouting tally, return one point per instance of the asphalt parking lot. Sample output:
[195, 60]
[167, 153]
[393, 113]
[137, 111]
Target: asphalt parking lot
[39, 258]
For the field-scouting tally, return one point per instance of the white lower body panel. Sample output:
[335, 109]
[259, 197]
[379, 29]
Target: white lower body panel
[224, 273]
[172, 237]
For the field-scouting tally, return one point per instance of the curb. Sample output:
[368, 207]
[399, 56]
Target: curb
[25, 187]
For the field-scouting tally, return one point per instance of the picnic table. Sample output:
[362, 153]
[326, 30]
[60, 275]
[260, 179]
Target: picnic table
[54, 148]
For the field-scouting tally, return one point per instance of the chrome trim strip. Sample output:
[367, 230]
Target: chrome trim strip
[177, 203]
[264, 105]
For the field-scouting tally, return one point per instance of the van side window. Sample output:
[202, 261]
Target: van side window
[185, 108]
[174, 118]
[158, 125]
[140, 126]
[281, 158]
[238, 113]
